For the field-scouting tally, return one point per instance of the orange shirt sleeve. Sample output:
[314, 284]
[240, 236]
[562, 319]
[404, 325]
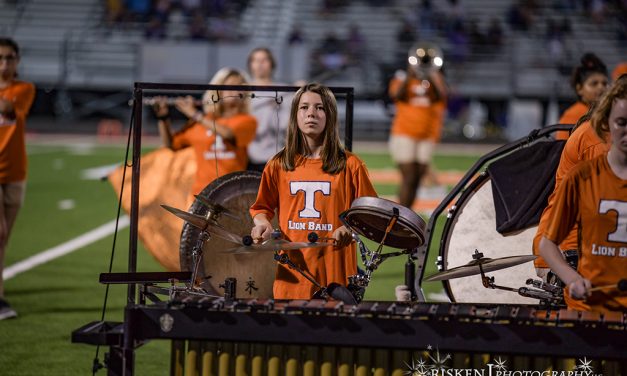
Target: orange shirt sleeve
[182, 139]
[565, 209]
[361, 180]
[268, 195]
[21, 96]
[245, 130]
[24, 100]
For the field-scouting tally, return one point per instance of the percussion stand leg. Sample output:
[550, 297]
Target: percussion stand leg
[285, 260]
[197, 255]
[410, 276]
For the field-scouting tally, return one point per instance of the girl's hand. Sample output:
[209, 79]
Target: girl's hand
[261, 232]
[580, 288]
[342, 237]
[161, 106]
[186, 106]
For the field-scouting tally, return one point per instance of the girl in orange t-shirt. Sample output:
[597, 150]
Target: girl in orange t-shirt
[16, 98]
[308, 184]
[594, 196]
[413, 136]
[219, 135]
[589, 80]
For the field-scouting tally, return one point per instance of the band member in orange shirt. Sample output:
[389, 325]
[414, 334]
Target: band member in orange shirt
[619, 70]
[219, 134]
[589, 80]
[308, 184]
[594, 196]
[412, 136]
[16, 98]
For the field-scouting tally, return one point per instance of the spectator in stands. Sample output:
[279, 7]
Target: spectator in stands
[162, 10]
[332, 53]
[405, 38]
[355, 45]
[476, 36]
[598, 10]
[198, 27]
[425, 17]
[139, 9]
[272, 117]
[494, 35]
[114, 12]
[406, 35]
[155, 28]
[458, 40]
[190, 6]
[16, 98]
[520, 16]
[296, 36]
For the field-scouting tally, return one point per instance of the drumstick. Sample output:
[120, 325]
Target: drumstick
[620, 286]
[312, 237]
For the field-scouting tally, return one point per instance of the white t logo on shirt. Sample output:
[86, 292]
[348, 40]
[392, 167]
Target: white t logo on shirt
[620, 207]
[310, 188]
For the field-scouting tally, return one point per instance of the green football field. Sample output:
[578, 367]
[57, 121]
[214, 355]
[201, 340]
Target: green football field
[62, 294]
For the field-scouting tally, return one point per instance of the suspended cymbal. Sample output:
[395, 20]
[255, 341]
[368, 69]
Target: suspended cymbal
[204, 224]
[487, 264]
[273, 245]
[216, 208]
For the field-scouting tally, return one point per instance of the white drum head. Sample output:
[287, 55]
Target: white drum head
[474, 227]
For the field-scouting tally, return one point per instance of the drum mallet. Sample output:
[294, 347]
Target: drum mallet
[620, 286]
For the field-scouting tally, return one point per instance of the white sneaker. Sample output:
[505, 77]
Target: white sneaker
[6, 312]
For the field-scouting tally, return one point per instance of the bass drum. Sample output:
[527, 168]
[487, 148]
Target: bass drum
[254, 272]
[473, 226]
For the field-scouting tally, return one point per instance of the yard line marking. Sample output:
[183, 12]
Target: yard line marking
[98, 173]
[65, 248]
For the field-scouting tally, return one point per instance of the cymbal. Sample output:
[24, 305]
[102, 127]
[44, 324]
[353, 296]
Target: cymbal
[204, 224]
[487, 264]
[272, 245]
[216, 208]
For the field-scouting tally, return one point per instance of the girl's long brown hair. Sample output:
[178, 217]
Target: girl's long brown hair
[296, 148]
[601, 115]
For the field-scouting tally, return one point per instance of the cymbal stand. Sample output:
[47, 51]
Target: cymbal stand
[284, 259]
[545, 296]
[197, 254]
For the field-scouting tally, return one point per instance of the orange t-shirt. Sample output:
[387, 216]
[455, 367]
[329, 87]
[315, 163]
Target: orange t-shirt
[620, 69]
[571, 116]
[584, 144]
[13, 160]
[592, 196]
[308, 199]
[230, 156]
[414, 117]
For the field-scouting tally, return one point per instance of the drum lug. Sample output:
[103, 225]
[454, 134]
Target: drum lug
[451, 211]
[439, 263]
